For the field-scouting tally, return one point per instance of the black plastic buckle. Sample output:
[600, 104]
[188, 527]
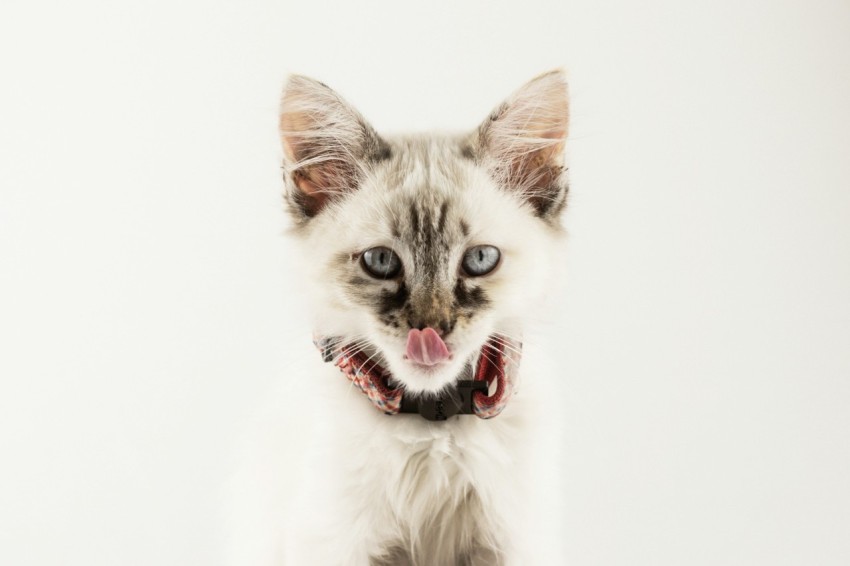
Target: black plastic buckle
[455, 401]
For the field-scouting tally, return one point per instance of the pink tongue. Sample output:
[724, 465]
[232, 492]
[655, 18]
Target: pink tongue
[425, 347]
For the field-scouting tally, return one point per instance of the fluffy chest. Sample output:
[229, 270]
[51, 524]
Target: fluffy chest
[392, 486]
[442, 488]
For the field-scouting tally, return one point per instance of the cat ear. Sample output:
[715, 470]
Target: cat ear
[326, 145]
[522, 142]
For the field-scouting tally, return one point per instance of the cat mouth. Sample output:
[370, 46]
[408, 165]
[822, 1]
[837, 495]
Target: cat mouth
[487, 367]
[426, 349]
[490, 375]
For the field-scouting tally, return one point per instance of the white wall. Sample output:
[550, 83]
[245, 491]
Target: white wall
[144, 304]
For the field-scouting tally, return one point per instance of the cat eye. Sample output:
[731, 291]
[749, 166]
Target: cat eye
[381, 263]
[480, 260]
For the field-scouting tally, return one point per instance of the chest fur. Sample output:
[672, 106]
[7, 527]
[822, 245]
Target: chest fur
[440, 493]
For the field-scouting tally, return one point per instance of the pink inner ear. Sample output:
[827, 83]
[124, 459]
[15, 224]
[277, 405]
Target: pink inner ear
[305, 184]
[319, 183]
[291, 124]
[327, 174]
[312, 181]
[329, 177]
[313, 197]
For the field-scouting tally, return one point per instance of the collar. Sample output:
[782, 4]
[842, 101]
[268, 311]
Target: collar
[482, 391]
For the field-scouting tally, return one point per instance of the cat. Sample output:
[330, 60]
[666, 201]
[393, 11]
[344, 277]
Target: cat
[426, 257]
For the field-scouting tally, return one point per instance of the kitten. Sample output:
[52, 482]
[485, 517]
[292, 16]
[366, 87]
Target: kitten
[426, 256]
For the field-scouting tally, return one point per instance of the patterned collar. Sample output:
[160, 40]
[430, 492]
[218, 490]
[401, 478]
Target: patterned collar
[496, 372]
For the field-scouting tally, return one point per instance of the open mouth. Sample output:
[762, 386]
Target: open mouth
[492, 378]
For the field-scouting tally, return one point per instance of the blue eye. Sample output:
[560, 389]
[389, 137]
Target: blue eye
[381, 263]
[480, 260]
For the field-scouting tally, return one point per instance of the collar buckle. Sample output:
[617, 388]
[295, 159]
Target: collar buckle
[455, 401]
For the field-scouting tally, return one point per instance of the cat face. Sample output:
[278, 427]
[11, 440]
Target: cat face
[421, 249]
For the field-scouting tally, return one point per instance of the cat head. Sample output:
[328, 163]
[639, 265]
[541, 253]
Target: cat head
[420, 249]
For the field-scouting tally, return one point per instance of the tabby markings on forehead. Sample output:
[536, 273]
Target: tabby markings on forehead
[430, 240]
[441, 223]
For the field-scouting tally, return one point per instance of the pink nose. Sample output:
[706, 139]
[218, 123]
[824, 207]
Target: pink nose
[425, 347]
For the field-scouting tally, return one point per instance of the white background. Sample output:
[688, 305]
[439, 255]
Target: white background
[145, 297]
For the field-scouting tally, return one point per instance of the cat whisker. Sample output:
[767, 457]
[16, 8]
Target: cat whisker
[509, 345]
